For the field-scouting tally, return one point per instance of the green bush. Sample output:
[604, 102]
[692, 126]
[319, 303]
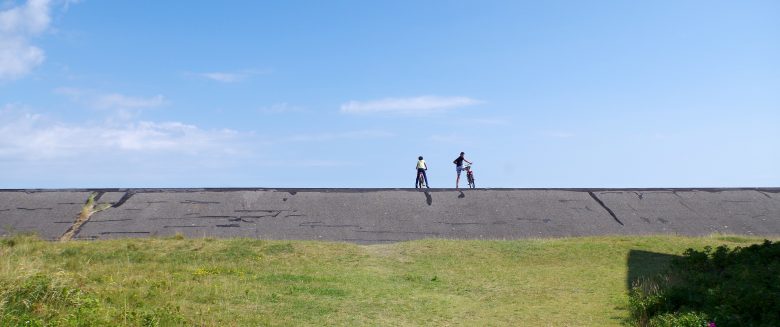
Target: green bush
[739, 287]
[687, 319]
[645, 300]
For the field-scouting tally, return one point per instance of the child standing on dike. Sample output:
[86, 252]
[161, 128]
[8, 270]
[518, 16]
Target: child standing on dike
[421, 168]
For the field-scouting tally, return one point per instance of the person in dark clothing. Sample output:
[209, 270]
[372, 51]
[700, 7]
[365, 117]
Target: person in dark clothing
[459, 166]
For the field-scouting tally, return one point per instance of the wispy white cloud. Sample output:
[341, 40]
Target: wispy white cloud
[10, 108]
[68, 3]
[18, 25]
[116, 100]
[29, 19]
[35, 136]
[110, 100]
[229, 77]
[413, 105]
[224, 77]
[17, 58]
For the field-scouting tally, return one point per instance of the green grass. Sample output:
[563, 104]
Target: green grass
[243, 282]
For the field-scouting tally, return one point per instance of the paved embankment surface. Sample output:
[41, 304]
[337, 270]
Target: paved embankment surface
[389, 215]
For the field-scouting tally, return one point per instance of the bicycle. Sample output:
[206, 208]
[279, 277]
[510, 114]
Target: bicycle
[420, 180]
[470, 175]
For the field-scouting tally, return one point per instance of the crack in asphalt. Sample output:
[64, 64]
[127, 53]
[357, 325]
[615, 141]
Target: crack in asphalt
[459, 223]
[320, 224]
[764, 193]
[682, 203]
[99, 195]
[611, 213]
[687, 207]
[123, 199]
[535, 220]
[198, 202]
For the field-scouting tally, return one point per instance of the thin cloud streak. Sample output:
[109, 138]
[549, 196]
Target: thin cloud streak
[116, 100]
[110, 100]
[559, 134]
[223, 77]
[229, 77]
[413, 105]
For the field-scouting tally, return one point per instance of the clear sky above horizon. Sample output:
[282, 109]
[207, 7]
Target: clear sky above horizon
[349, 93]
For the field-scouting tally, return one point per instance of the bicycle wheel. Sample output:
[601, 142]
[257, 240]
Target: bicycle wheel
[471, 181]
[420, 181]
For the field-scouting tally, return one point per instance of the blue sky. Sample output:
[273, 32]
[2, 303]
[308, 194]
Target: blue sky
[349, 93]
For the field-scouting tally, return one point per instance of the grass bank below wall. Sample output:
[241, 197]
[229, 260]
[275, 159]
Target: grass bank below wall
[243, 282]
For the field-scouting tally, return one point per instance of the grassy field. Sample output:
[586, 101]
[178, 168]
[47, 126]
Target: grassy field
[243, 282]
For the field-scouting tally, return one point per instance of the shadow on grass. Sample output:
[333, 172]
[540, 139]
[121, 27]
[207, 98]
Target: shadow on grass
[645, 264]
[727, 287]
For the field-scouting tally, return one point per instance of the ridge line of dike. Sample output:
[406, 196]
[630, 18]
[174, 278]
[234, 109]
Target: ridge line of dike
[367, 190]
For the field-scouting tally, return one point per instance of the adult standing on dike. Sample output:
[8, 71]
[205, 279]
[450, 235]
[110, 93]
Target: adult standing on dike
[459, 167]
[421, 168]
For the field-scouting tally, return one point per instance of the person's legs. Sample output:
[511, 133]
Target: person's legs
[416, 176]
[457, 179]
[426, 179]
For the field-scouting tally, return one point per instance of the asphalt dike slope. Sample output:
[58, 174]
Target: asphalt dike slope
[391, 215]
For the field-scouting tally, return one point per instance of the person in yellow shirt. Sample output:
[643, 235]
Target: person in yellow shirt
[421, 168]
